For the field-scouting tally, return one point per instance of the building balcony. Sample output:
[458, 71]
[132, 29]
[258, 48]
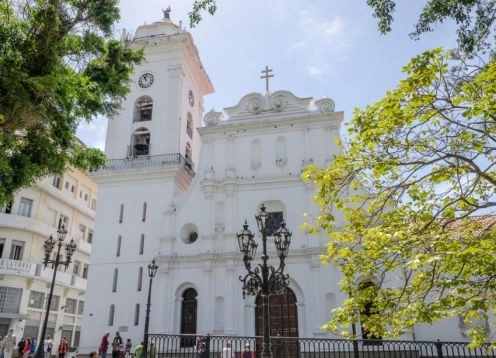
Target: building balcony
[24, 223]
[84, 246]
[32, 270]
[173, 160]
[17, 268]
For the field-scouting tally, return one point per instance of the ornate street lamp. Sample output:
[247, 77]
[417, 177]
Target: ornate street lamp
[264, 278]
[152, 271]
[57, 260]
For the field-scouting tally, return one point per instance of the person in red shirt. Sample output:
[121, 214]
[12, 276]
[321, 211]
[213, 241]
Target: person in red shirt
[104, 345]
[63, 347]
[27, 348]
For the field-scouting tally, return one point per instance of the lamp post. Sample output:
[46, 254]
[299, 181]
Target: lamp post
[264, 278]
[152, 270]
[57, 260]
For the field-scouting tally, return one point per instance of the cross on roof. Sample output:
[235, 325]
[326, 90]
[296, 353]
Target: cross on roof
[267, 76]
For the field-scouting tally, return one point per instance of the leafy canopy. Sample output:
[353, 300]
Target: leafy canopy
[58, 65]
[419, 165]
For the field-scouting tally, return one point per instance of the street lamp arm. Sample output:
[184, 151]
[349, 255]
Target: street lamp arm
[252, 283]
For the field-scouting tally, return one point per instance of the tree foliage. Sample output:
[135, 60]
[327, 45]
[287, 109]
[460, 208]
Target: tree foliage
[200, 6]
[58, 65]
[415, 174]
[474, 19]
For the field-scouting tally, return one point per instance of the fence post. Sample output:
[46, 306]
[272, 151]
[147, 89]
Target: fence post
[355, 342]
[439, 347]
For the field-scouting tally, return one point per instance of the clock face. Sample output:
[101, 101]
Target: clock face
[191, 98]
[145, 80]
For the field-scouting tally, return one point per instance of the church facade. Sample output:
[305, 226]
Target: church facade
[178, 188]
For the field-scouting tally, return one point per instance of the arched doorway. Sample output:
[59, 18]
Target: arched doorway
[283, 317]
[188, 316]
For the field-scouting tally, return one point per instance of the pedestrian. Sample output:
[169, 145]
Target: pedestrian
[27, 348]
[129, 346]
[63, 347]
[138, 351]
[207, 343]
[116, 345]
[247, 353]
[93, 354]
[227, 351]
[9, 344]
[102, 350]
[152, 351]
[32, 348]
[48, 346]
[1, 347]
[20, 346]
[201, 347]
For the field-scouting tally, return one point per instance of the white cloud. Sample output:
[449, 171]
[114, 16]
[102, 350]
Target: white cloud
[320, 40]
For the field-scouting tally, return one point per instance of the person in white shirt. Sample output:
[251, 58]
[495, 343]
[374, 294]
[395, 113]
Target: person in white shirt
[48, 345]
[9, 344]
[227, 351]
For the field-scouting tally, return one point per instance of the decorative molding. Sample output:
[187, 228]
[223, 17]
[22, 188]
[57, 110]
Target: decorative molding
[219, 228]
[325, 105]
[277, 102]
[256, 103]
[212, 118]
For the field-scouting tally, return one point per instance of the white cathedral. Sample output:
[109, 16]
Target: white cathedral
[177, 189]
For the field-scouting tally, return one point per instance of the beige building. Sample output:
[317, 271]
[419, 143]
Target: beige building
[35, 214]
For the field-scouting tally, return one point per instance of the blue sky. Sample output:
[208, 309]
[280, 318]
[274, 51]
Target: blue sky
[316, 48]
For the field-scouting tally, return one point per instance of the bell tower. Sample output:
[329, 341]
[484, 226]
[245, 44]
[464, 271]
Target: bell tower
[165, 105]
[152, 147]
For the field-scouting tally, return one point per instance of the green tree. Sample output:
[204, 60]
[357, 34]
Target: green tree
[475, 20]
[413, 184]
[58, 65]
[417, 170]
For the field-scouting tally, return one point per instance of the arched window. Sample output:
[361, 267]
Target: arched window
[255, 154]
[367, 311]
[281, 151]
[140, 142]
[114, 280]
[188, 316]
[187, 156]
[189, 125]
[111, 315]
[143, 108]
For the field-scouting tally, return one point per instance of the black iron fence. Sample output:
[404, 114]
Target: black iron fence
[172, 346]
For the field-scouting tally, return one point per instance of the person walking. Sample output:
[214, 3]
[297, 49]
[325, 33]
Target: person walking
[201, 347]
[116, 345]
[9, 344]
[138, 351]
[27, 348]
[20, 347]
[48, 346]
[1, 347]
[102, 350]
[247, 353]
[227, 351]
[129, 346]
[152, 350]
[32, 347]
[63, 347]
